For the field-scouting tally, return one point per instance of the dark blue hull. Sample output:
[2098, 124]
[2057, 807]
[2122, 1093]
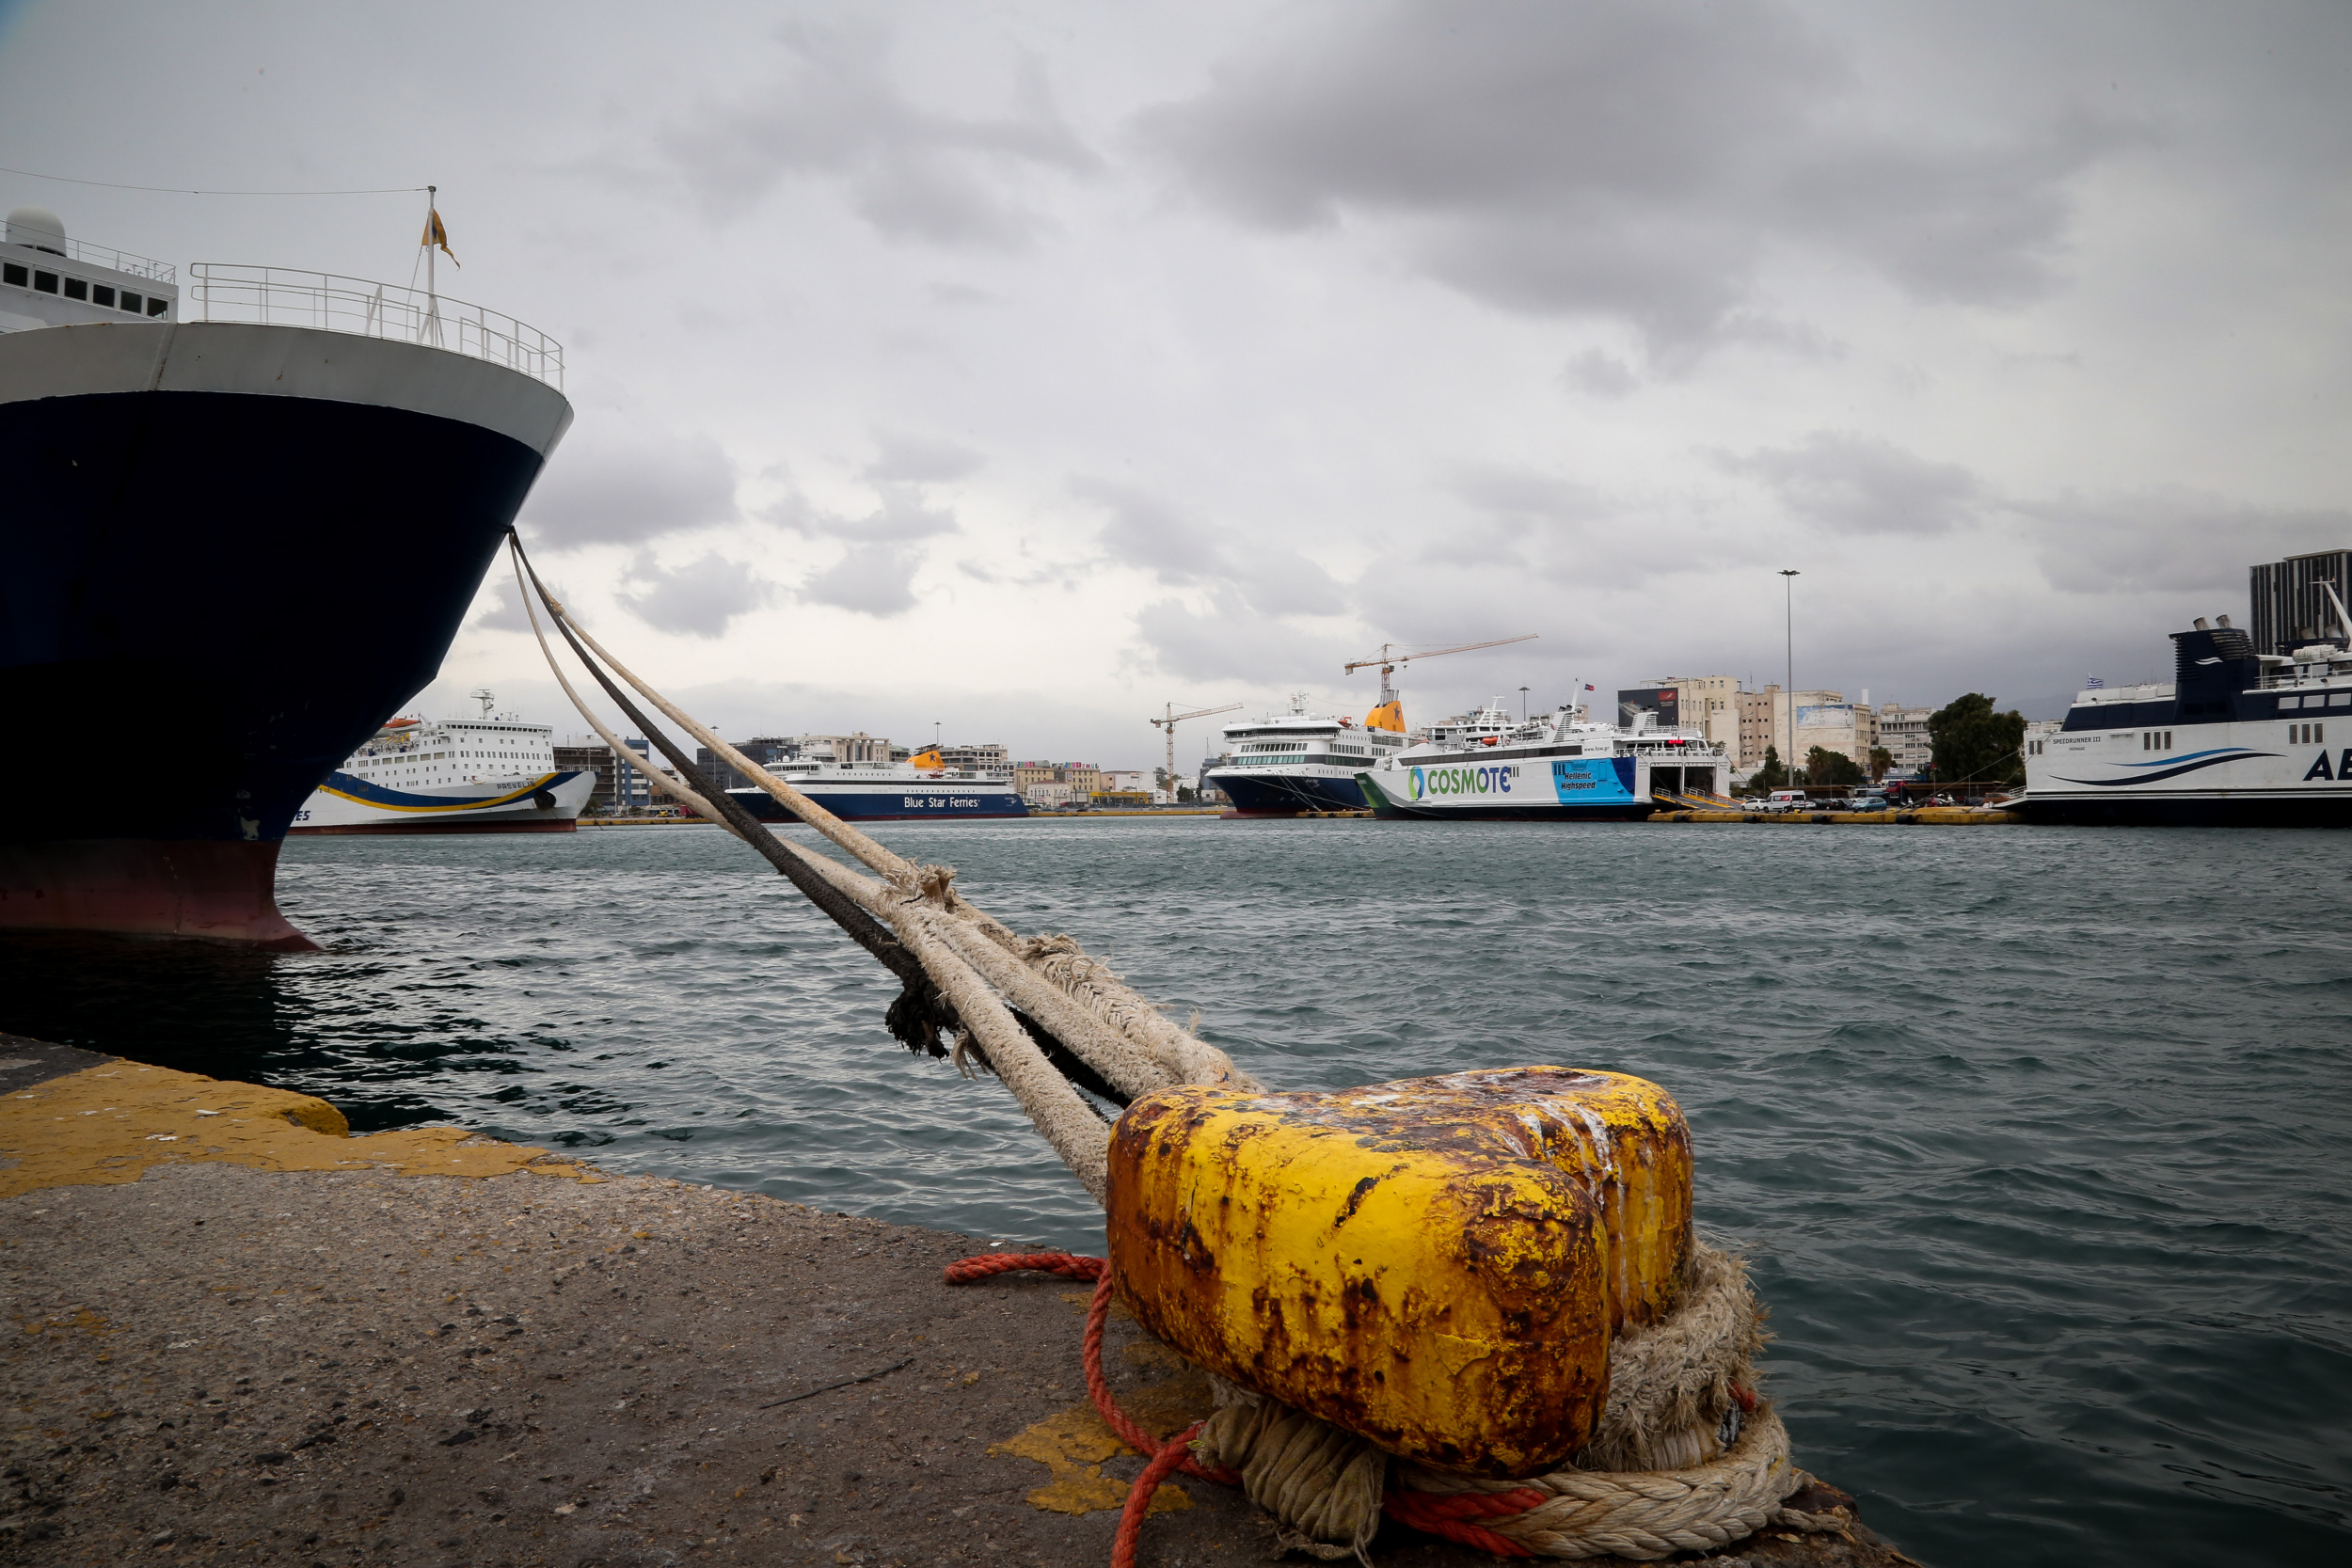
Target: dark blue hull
[240, 586]
[201, 571]
[908, 802]
[1273, 794]
[2327, 810]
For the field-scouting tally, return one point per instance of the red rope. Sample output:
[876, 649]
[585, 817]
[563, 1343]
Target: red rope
[1454, 1515]
[1165, 1458]
[963, 1271]
[1164, 1464]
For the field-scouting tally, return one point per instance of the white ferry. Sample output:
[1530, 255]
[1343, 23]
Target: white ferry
[2235, 738]
[922, 789]
[492, 773]
[1289, 763]
[1560, 766]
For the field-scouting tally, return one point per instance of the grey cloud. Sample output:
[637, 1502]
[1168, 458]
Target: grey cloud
[506, 609]
[1525, 493]
[1602, 374]
[1144, 531]
[1146, 534]
[1631, 161]
[914, 173]
[1858, 484]
[871, 578]
[2171, 538]
[908, 459]
[698, 599]
[1232, 640]
[902, 515]
[611, 485]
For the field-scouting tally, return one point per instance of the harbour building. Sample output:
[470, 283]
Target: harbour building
[1707, 704]
[1053, 783]
[1903, 732]
[2290, 610]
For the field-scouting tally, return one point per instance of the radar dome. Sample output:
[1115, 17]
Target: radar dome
[37, 227]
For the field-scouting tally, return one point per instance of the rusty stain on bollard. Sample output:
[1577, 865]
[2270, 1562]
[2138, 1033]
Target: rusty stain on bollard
[1437, 1265]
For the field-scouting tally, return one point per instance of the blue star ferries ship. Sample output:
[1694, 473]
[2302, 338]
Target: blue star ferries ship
[205, 489]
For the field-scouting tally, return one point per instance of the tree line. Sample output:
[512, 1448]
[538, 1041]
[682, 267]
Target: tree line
[1972, 744]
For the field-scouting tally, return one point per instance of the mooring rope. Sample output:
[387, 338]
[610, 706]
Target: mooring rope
[1092, 986]
[1686, 1455]
[1328, 1488]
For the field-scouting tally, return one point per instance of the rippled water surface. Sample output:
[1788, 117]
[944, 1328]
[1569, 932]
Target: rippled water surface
[2036, 1136]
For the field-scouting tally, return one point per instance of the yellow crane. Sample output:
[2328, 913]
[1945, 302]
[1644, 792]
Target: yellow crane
[1169, 723]
[1389, 658]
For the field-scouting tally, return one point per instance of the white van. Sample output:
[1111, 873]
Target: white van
[1786, 800]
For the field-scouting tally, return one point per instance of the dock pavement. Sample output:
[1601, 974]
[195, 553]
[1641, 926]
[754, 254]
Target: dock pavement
[239, 1335]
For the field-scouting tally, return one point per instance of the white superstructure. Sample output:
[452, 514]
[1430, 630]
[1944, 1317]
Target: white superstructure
[488, 772]
[1284, 763]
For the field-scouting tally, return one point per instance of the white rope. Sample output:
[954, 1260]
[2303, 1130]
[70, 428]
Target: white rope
[686, 797]
[883, 859]
[1070, 1128]
[1644, 1514]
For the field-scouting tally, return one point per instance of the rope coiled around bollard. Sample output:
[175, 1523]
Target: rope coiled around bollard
[1325, 1485]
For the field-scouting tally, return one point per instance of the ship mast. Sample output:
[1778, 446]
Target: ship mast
[431, 326]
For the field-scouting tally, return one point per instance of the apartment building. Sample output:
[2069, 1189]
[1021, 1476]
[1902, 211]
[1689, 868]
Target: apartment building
[1903, 732]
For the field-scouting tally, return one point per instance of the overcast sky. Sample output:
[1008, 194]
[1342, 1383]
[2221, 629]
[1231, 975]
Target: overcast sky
[1024, 367]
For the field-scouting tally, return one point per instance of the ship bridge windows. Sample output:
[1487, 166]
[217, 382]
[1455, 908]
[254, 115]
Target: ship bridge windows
[78, 288]
[44, 282]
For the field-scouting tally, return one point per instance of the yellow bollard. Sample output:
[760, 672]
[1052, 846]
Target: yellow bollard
[1437, 1265]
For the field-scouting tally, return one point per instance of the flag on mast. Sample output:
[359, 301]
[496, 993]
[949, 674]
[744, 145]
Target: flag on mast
[437, 236]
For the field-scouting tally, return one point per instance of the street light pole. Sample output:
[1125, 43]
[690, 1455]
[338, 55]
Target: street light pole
[1788, 761]
[1523, 705]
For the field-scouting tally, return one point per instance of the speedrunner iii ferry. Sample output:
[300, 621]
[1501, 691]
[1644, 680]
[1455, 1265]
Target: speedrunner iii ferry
[489, 773]
[1289, 763]
[2235, 738]
[204, 491]
[1488, 766]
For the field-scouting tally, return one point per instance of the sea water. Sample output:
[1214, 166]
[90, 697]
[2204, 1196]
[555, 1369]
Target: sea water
[2035, 1138]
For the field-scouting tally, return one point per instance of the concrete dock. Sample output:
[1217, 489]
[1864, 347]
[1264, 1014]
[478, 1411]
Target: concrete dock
[242, 1336]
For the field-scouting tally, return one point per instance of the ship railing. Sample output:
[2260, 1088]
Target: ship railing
[120, 260]
[280, 296]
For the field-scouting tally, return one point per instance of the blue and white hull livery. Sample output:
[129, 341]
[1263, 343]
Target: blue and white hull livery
[888, 792]
[1484, 766]
[491, 773]
[1290, 763]
[2237, 738]
[548, 803]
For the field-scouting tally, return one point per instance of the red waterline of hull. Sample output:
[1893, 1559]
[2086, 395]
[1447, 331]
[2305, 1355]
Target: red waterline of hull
[222, 892]
[401, 828]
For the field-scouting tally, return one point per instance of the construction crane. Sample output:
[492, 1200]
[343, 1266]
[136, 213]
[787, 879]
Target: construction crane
[1389, 658]
[1169, 723]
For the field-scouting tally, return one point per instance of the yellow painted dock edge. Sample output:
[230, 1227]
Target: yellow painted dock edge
[114, 1123]
[1439, 1264]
